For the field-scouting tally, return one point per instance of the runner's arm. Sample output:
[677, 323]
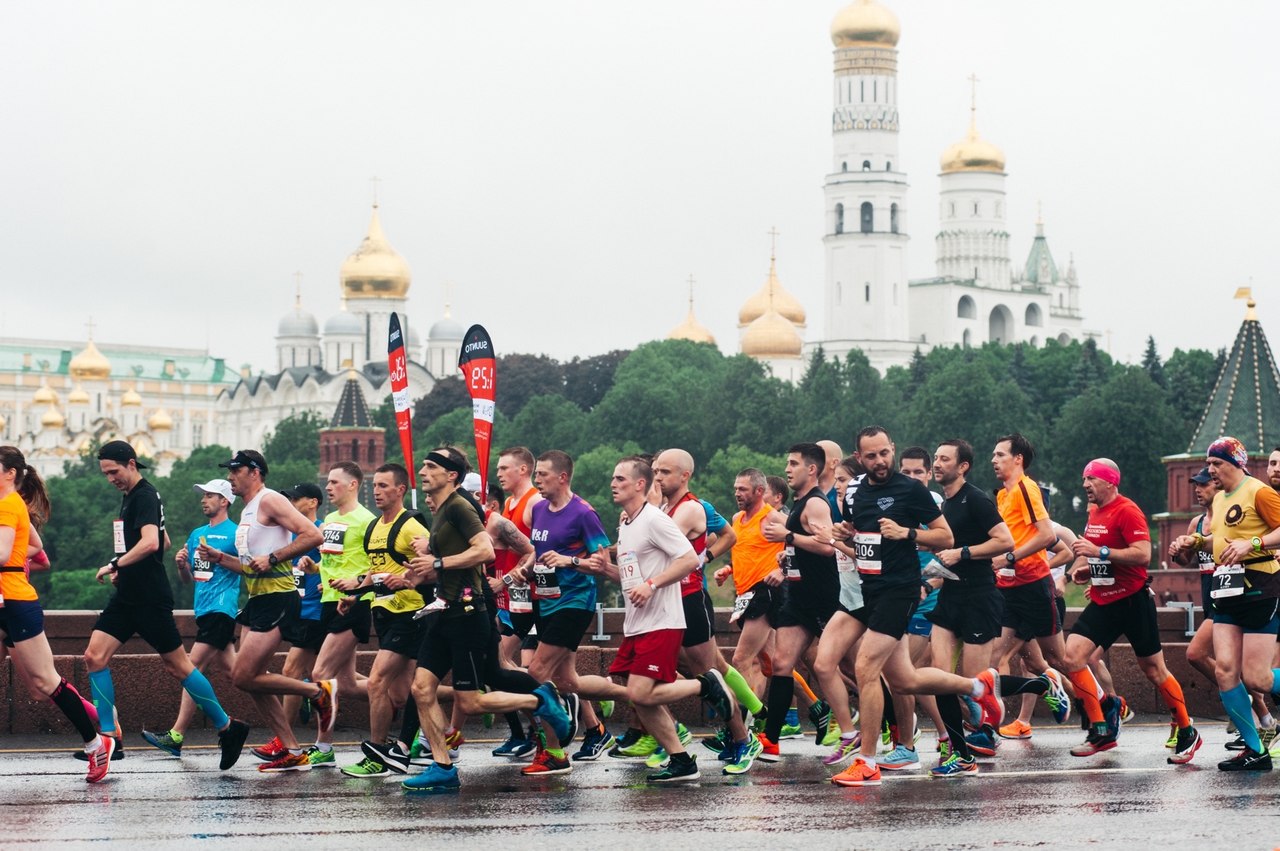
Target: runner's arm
[479, 552]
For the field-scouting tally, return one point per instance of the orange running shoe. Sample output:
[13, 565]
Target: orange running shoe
[770, 752]
[100, 760]
[1016, 729]
[546, 764]
[860, 773]
[326, 705]
[271, 751]
[288, 762]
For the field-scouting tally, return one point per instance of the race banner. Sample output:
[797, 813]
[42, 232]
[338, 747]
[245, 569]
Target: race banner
[398, 366]
[480, 371]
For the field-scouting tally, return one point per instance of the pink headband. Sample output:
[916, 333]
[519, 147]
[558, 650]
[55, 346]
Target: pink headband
[1096, 470]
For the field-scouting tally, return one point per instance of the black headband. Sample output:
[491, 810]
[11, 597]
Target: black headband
[441, 460]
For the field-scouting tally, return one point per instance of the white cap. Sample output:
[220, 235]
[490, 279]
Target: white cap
[221, 487]
[471, 483]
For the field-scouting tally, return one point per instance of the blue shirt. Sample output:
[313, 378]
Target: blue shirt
[308, 584]
[221, 591]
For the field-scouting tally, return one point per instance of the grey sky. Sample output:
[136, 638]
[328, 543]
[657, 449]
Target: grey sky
[562, 162]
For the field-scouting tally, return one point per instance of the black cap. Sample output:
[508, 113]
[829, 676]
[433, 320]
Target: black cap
[247, 458]
[306, 489]
[121, 452]
[1202, 477]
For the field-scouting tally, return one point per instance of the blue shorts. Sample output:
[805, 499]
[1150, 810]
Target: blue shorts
[20, 620]
[920, 625]
[1255, 618]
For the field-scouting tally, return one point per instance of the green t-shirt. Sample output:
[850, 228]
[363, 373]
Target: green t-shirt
[342, 554]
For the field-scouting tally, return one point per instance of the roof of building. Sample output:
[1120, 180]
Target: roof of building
[352, 411]
[142, 363]
[1040, 267]
[1245, 402]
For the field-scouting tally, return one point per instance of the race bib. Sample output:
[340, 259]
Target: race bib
[866, 548]
[334, 535]
[1205, 561]
[790, 570]
[1228, 581]
[242, 544]
[117, 537]
[300, 581]
[518, 599]
[201, 570]
[844, 563]
[1101, 572]
[381, 592]
[545, 582]
[1007, 572]
[740, 604]
[628, 571]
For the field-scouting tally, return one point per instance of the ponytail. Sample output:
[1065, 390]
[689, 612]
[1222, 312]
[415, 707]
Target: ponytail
[28, 483]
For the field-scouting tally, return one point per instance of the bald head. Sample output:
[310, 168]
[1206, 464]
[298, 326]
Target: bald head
[671, 471]
[826, 476]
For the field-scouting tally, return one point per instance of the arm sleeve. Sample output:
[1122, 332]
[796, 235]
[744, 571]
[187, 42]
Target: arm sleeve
[1267, 503]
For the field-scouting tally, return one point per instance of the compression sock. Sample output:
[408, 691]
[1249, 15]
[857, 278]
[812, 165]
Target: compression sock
[88, 705]
[949, 709]
[513, 721]
[1239, 707]
[1022, 685]
[1171, 691]
[104, 699]
[409, 721]
[1275, 684]
[804, 687]
[890, 714]
[197, 685]
[1088, 693]
[69, 701]
[741, 690]
[781, 690]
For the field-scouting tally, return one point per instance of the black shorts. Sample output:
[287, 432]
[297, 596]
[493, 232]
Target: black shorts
[459, 645]
[1029, 610]
[398, 632]
[20, 620]
[304, 633]
[564, 627]
[888, 610]
[522, 623]
[765, 600]
[217, 629]
[806, 610]
[265, 612]
[356, 619]
[529, 642]
[1206, 585]
[697, 620]
[1060, 603]
[1133, 617]
[155, 625]
[972, 612]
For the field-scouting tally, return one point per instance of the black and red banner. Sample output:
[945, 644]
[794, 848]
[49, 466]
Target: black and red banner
[479, 368]
[397, 363]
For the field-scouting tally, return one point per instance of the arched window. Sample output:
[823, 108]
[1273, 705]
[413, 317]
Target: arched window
[839, 218]
[967, 339]
[1064, 339]
[1000, 325]
[867, 293]
[839, 292]
[373, 451]
[893, 218]
[966, 309]
[868, 217]
[355, 450]
[844, 166]
[866, 165]
[888, 166]
[1034, 316]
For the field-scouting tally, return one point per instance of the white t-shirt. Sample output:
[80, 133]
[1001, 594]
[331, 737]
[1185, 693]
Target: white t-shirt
[646, 547]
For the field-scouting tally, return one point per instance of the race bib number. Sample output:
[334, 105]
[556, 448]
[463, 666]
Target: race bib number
[866, 548]
[1101, 572]
[117, 537]
[740, 604]
[628, 571]
[1228, 581]
[790, 570]
[519, 600]
[334, 535]
[300, 581]
[201, 570]
[844, 563]
[1205, 561]
[242, 544]
[545, 582]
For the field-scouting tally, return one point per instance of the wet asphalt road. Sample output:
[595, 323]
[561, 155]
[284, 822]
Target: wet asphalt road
[1033, 795]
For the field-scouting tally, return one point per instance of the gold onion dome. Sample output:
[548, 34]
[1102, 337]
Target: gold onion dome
[375, 270]
[771, 293]
[52, 418]
[771, 336]
[131, 398]
[78, 396]
[90, 365]
[865, 23]
[973, 153]
[160, 421]
[44, 394]
[691, 329]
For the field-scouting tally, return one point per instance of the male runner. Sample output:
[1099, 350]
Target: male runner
[143, 603]
[1200, 649]
[217, 594]
[270, 534]
[776, 493]
[1112, 556]
[757, 578]
[458, 637]
[827, 478]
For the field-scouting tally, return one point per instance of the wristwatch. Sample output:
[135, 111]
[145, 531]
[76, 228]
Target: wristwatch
[115, 564]
[272, 560]
[790, 539]
[1010, 558]
[508, 579]
[438, 564]
[1257, 544]
[575, 562]
[1104, 553]
[964, 553]
[911, 534]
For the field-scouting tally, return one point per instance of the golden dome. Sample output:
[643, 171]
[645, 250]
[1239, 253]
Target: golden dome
[772, 336]
[691, 329]
[44, 394]
[863, 23]
[131, 398]
[78, 396]
[52, 418]
[375, 270]
[973, 153]
[160, 421]
[771, 294]
[90, 364]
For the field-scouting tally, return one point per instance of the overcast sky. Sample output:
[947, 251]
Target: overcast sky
[168, 166]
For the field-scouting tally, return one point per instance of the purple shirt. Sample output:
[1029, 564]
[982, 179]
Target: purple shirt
[574, 530]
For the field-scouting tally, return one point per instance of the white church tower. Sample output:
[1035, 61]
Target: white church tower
[865, 194]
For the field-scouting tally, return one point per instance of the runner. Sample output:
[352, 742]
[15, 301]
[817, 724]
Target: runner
[1112, 556]
[1200, 650]
[271, 533]
[217, 593]
[654, 558]
[23, 500]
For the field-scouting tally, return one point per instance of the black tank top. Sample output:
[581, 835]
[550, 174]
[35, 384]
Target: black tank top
[818, 574]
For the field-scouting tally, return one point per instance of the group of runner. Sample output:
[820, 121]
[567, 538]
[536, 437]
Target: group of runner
[891, 596]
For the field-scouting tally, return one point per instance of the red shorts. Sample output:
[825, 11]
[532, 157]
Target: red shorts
[650, 654]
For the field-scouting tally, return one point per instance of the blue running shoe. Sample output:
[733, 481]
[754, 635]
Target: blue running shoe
[983, 742]
[956, 766]
[1112, 718]
[434, 780]
[1056, 698]
[973, 717]
[594, 744]
[513, 747]
[553, 709]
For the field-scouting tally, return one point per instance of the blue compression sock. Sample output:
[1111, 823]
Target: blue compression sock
[1275, 681]
[197, 685]
[103, 691]
[1240, 708]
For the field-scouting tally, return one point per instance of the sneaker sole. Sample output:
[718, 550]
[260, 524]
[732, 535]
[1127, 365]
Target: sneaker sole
[910, 766]
[1014, 737]
[953, 775]
[547, 773]
[1183, 759]
[430, 790]
[283, 770]
[855, 783]
[1096, 750]
[680, 779]
[358, 776]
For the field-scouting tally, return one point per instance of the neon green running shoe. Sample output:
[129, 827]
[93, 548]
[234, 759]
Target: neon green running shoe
[658, 759]
[886, 737]
[745, 757]
[639, 749]
[317, 758]
[1172, 741]
[366, 768]
[606, 709]
[790, 731]
[1270, 739]
[686, 738]
[832, 736]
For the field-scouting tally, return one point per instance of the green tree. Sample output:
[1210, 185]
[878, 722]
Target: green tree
[586, 380]
[295, 438]
[714, 482]
[448, 394]
[523, 377]
[1190, 377]
[1151, 363]
[549, 422]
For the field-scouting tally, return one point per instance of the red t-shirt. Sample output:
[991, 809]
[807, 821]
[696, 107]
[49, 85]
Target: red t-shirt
[1118, 524]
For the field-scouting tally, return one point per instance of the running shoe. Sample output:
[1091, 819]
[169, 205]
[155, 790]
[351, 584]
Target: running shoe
[658, 759]
[983, 742]
[820, 715]
[858, 774]
[639, 749]
[100, 760]
[768, 750]
[956, 766]
[718, 743]
[169, 742]
[1189, 742]
[1015, 729]
[1231, 727]
[594, 744]
[1236, 744]
[271, 751]
[715, 693]
[435, 780]
[886, 736]
[454, 739]
[553, 709]
[420, 751]
[1172, 741]
[326, 704]
[901, 758]
[231, 743]
[626, 740]
[944, 750]
[682, 732]
[677, 770]
[321, 759]
[1114, 716]
[1056, 698]
[846, 747]
[367, 768]
[116, 755]
[487, 720]
[514, 747]
[390, 756]
[1247, 760]
[832, 736]
[992, 708]
[792, 718]
[288, 762]
[745, 755]
[545, 764]
[790, 731]
[606, 709]
[973, 712]
[1094, 743]
[1272, 744]
[1126, 714]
